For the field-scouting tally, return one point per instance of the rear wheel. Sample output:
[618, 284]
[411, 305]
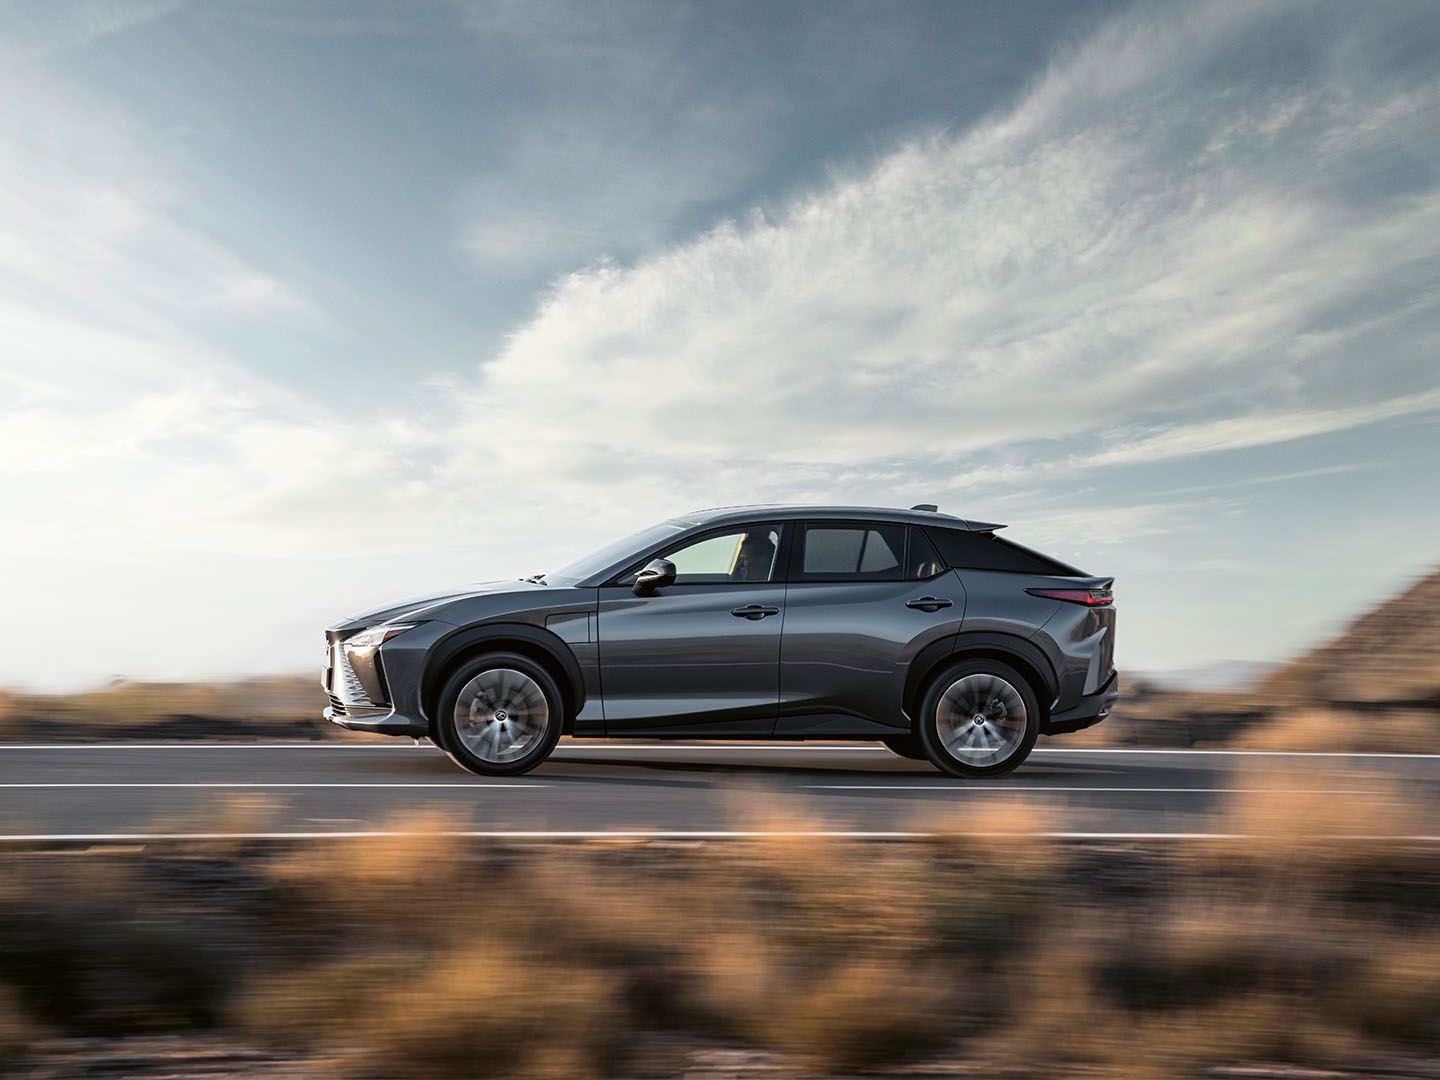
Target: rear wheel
[979, 718]
[906, 746]
[500, 715]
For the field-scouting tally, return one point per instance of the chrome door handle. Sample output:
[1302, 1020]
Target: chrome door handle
[754, 612]
[928, 603]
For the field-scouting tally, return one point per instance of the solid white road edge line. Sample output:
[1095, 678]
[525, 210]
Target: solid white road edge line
[989, 789]
[664, 834]
[464, 785]
[456, 785]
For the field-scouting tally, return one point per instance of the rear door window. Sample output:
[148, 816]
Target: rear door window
[846, 552]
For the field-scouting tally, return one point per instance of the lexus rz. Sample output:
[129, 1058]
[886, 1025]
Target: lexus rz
[926, 632]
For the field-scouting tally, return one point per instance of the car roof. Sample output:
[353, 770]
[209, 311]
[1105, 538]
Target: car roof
[721, 515]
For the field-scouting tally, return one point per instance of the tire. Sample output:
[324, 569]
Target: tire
[906, 746]
[500, 714]
[972, 689]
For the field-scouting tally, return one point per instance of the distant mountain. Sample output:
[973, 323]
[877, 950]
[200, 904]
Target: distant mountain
[1389, 657]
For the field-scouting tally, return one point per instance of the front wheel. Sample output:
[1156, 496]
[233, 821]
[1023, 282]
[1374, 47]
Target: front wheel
[978, 718]
[499, 715]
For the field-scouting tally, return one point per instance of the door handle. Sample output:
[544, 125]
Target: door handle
[928, 603]
[754, 612]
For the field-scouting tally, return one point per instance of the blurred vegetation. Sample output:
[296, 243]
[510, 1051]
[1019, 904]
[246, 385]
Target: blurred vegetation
[981, 948]
[276, 707]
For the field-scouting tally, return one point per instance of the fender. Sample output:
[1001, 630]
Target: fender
[529, 638]
[1001, 645]
[918, 671]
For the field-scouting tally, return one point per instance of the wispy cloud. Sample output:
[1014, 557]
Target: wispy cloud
[1169, 235]
[40, 28]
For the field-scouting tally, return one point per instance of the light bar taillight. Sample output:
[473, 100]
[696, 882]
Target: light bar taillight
[1088, 597]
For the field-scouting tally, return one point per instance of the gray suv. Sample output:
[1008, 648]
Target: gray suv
[923, 631]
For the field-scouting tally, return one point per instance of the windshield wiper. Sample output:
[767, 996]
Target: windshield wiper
[536, 579]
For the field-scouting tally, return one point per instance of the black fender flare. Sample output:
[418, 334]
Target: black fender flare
[541, 645]
[1028, 657]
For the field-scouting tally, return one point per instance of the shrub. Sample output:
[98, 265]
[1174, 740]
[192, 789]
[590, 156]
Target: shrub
[94, 970]
[16, 1029]
[477, 1011]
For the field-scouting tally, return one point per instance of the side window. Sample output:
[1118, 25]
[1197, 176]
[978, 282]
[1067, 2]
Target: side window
[852, 553]
[923, 561]
[746, 555]
[986, 551]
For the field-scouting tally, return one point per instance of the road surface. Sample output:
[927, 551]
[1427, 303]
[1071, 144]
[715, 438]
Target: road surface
[115, 791]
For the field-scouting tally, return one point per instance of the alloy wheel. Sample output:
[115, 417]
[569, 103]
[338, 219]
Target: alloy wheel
[501, 715]
[980, 719]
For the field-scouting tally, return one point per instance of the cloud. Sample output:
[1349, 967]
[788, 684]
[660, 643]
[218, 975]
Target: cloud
[41, 28]
[1174, 232]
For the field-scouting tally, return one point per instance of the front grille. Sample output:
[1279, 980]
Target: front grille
[337, 706]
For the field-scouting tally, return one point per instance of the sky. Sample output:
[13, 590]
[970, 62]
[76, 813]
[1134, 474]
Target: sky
[308, 306]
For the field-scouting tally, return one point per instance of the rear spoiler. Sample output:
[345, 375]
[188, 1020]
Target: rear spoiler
[982, 526]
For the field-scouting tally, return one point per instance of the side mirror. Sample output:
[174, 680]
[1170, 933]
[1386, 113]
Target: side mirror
[658, 574]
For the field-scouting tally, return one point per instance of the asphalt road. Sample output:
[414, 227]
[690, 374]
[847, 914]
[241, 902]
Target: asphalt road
[117, 791]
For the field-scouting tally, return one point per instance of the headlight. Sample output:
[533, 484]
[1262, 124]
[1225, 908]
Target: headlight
[376, 635]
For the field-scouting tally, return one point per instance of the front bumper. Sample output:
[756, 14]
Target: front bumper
[378, 689]
[1088, 711]
[380, 721]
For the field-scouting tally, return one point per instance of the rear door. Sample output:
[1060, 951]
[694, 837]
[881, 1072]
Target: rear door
[864, 598]
[701, 656]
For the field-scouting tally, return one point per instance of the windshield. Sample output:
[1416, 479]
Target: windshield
[596, 561]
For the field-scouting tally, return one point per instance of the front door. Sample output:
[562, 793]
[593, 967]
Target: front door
[702, 656]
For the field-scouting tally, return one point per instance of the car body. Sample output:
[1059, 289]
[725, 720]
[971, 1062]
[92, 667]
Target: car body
[757, 622]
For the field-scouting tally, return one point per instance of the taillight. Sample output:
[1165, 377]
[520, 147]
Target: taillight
[1088, 597]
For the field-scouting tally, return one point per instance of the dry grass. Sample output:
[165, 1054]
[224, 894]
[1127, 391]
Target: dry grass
[865, 1011]
[17, 1030]
[475, 1011]
[1395, 991]
[1333, 823]
[1340, 730]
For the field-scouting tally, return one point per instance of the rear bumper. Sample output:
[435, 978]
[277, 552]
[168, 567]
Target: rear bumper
[1088, 711]
[379, 721]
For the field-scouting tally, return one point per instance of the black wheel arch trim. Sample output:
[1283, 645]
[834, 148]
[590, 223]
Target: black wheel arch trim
[522, 638]
[1028, 657]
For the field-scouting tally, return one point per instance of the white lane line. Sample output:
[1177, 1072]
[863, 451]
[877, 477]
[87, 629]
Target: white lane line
[621, 747]
[990, 789]
[1227, 753]
[267, 785]
[584, 834]
[661, 834]
[218, 746]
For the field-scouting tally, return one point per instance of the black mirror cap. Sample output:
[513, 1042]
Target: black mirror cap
[657, 574]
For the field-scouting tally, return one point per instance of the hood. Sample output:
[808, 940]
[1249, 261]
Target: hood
[416, 607]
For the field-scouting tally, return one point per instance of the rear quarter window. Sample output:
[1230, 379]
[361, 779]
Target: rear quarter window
[963, 550]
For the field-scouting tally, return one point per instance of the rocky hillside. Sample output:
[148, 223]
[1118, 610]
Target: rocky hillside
[1390, 657]
[1375, 687]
